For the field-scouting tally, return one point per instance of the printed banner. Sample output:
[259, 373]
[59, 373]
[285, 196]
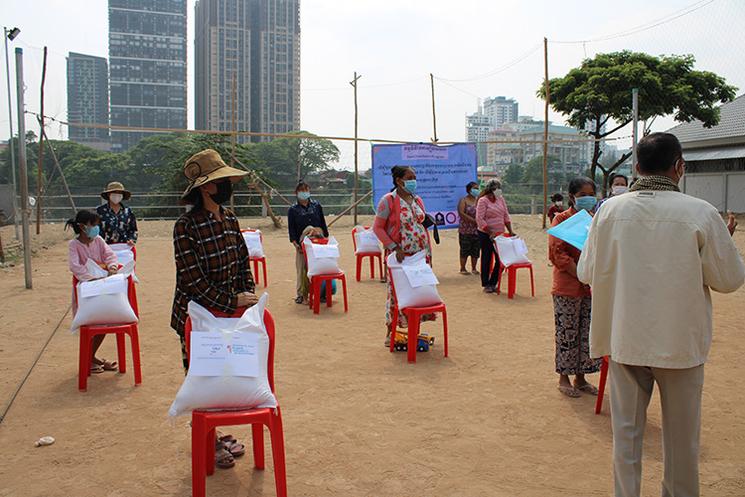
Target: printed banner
[442, 173]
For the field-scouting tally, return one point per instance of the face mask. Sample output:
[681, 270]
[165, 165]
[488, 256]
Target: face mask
[116, 198]
[559, 204]
[474, 192]
[303, 195]
[497, 193]
[224, 191]
[92, 231]
[410, 185]
[586, 203]
[681, 172]
[618, 190]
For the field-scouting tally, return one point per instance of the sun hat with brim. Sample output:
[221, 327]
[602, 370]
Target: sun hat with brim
[206, 166]
[115, 187]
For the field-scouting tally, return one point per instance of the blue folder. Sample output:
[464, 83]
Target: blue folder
[574, 230]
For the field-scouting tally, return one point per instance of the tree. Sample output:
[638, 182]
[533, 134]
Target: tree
[513, 175]
[598, 94]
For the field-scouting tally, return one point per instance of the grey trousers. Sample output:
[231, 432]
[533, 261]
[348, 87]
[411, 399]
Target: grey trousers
[680, 399]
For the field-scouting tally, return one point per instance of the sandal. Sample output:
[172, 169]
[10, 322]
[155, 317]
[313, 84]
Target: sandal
[224, 459]
[464, 272]
[96, 369]
[299, 300]
[569, 391]
[106, 365]
[232, 445]
[587, 388]
[475, 272]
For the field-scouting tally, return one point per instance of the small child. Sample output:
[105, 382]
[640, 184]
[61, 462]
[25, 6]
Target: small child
[88, 245]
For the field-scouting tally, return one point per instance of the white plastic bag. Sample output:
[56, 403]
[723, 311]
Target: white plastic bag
[123, 252]
[415, 282]
[322, 259]
[367, 242]
[512, 250]
[103, 301]
[253, 243]
[226, 390]
[94, 270]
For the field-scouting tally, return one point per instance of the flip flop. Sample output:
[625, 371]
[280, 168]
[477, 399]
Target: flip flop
[464, 272]
[109, 366]
[587, 388]
[224, 459]
[96, 369]
[569, 391]
[475, 272]
[230, 443]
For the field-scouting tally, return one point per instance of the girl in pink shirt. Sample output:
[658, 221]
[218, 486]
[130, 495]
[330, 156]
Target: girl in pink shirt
[492, 219]
[88, 245]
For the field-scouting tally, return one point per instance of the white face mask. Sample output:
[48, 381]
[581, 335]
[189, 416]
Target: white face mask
[559, 203]
[619, 189]
[497, 193]
[115, 197]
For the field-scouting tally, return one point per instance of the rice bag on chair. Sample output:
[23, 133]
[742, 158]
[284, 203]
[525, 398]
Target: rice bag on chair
[414, 281]
[322, 258]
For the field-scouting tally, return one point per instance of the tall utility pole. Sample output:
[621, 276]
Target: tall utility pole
[25, 211]
[635, 129]
[39, 180]
[545, 130]
[356, 151]
[11, 34]
[233, 135]
[434, 116]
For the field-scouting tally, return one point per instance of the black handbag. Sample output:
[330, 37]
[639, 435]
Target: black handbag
[430, 221]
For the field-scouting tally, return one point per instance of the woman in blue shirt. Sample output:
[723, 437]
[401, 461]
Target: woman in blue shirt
[304, 214]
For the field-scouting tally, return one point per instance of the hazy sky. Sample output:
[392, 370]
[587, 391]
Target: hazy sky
[395, 44]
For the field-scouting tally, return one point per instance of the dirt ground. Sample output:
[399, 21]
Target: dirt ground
[359, 421]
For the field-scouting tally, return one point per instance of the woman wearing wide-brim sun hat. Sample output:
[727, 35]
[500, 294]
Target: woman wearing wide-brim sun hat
[212, 262]
[118, 222]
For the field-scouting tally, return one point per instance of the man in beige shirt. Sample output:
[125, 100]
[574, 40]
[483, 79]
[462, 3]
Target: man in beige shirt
[651, 257]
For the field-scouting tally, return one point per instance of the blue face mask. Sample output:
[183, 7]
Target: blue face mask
[474, 192]
[303, 195]
[586, 203]
[92, 231]
[410, 186]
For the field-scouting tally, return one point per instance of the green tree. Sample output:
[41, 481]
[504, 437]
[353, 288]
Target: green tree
[513, 175]
[600, 91]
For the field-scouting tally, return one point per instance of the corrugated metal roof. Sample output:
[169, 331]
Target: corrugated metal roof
[731, 124]
[714, 153]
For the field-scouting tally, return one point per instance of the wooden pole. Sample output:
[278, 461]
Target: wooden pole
[545, 130]
[434, 116]
[39, 187]
[23, 171]
[61, 173]
[233, 135]
[353, 206]
[356, 149]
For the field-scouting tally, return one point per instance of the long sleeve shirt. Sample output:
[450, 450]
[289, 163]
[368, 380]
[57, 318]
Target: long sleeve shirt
[492, 217]
[564, 258]
[117, 227]
[301, 216]
[79, 253]
[212, 264]
[652, 258]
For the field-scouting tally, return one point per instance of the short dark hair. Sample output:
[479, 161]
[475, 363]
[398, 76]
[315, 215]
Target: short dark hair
[577, 183]
[301, 185]
[82, 217]
[618, 175]
[398, 172]
[658, 152]
[556, 197]
[469, 185]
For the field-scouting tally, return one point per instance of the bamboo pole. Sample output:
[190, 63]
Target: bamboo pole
[356, 149]
[434, 116]
[61, 173]
[23, 170]
[545, 130]
[233, 135]
[39, 187]
[346, 211]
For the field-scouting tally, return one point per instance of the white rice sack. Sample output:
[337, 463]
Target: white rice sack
[253, 243]
[103, 301]
[367, 242]
[415, 282]
[123, 252]
[209, 385]
[512, 250]
[322, 259]
[94, 270]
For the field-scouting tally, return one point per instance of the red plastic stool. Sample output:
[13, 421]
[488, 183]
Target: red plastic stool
[120, 330]
[414, 317]
[372, 256]
[314, 295]
[257, 260]
[601, 386]
[512, 279]
[205, 423]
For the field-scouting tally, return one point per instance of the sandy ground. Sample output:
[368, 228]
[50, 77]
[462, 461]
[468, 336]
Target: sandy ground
[359, 421]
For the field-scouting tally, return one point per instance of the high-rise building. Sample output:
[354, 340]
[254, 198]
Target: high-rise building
[249, 49]
[500, 110]
[88, 98]
[493, 114]
[147, 58]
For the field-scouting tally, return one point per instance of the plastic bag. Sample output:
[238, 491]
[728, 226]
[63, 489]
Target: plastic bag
[322, 259]
[367, 242]
[253, 243]
[103, 301]
[511, 250]
[414, 280]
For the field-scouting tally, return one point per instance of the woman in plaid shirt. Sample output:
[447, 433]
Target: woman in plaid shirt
[212, 265]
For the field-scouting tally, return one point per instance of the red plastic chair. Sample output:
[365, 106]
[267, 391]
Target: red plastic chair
[257, 260]
[371, 255]
[204, 424]
[120, 330]
[512, 275]
[314, 295]
[601, 386]
[414, 317]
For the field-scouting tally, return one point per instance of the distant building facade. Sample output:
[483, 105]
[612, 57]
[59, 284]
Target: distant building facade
[250, 50]
[500, 110]
[88, 99]
[491, 115]
[147, 57]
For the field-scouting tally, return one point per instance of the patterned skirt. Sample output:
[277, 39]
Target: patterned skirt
[572, 316]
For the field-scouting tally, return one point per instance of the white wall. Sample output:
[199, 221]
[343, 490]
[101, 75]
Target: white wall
[725, 191]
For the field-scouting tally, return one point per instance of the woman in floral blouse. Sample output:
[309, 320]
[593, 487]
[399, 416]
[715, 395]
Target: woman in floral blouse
[118, 223]
[398, 225]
